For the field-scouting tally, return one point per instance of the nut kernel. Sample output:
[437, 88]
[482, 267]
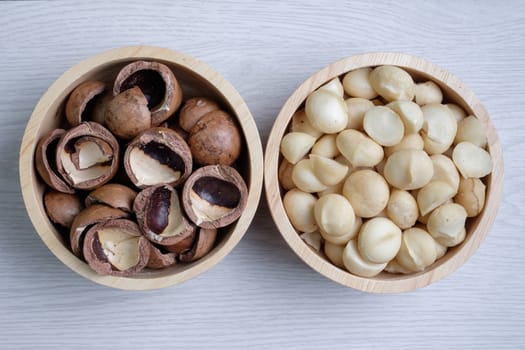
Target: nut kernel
[299, 207]
[367, 192]
[379, 240]
[334, 215]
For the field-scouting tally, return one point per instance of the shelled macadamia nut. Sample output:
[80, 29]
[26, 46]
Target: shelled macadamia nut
[326, 111]
[334, 253]
[334, 215]
[410, 113]
[439, 128]
[296, 145]
[326, 146]
[299, 207]
[357, 84]
[367, 192]
[458, 112]
[394, 266]
[313, 239]
[434, 194]
[410, 141]
[447, 224]
[392, 83]
[337, 189]
[471, 196]
[384, 126]
[471, 160]
[357, 107]
[408, 169]
[357, 265]
[445, 170]
[304, 178]
[417, 251]
[300, 123]
[428, 93]
[359, 149]
[379, 240]
[470, 129]
[343, 239]
[328, 171]
[334, 86]
[285, 174]
[402, 209]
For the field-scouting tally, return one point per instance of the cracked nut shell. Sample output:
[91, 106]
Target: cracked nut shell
[45, 161]
[214, 196]
[159, 259]
[62, 208]
[87, 156]
[157, 83]
[158, 156]
[116, 247]
[114, 195]
[81, 103]
[203, 245]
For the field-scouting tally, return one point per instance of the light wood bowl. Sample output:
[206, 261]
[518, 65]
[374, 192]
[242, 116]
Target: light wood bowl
[196, 79]
[477, 229]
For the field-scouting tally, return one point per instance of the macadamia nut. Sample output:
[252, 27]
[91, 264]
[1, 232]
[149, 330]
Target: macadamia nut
[300, 123]
[357, 107]
[445, 170]
[304, 178]
[433, 194]
[326, 111]
[295, 145]
[447, 224]
[343, 239]
[439, 128]
[326, 146]
[410, 141]
[427, 93]
[334, 252]
[357, 84]
[471, 196]
[359, 149]
[299, 207]
[313, 239]
[471, 160]
[458, 112]
[417, 251]
[410, 114]
[384, 126]
[408, 169]
[327, 170]
[285, 174]
[357, 265]
[392, 83]
[379, 240]
[334, 86]
[334, 215]
[367, 192]
[470, 129]
[402, 209]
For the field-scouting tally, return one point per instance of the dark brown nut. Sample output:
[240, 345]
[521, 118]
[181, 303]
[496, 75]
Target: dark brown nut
[116, 247]
[214, 196]
[45, 161]
[203, 244]
[87, 156]
[158, 84]
[158, 156]
[159, 259]
[81, 102]
[127, 114]
[193, 110]
[88, 217]
[114, 195]
[160, 216]
[215, 139]
[62, 208]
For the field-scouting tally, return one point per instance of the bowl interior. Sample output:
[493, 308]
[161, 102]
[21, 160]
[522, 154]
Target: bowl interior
[196, 79]
[454, 91]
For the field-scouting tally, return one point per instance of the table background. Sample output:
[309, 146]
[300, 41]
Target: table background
[262, 295]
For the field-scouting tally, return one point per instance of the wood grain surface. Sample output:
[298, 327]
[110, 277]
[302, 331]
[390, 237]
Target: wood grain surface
[261, 295]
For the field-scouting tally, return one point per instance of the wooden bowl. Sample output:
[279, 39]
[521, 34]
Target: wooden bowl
[477, 229]
[196, 79]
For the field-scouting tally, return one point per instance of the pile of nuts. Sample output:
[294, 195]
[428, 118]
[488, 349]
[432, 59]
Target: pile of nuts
[380, 173]
[136, 182]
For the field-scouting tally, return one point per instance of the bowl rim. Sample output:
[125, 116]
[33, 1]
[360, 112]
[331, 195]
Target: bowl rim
[398, 283]
[73, 76]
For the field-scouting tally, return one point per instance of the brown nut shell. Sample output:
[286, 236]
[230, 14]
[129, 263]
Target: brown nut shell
[215, 139]
[159, 259]
[117, 248]
[82, 101]
[45, 161]
[87, 156]
[157, 82]
[62, 208]
[88, 217]
[160, 215]
[203, 245]
[114, 195]
[184, 245]
[214, 196]
[193, 110]
[127, 114]
[157, 156]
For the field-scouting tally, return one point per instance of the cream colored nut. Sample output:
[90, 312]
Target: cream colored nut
[439, 128]
[384, 126]
[334, 215]
[441, 249]
[367, 192]
[327, 170]
[470, 129]
[342, 160]
[337, 189]
[334, 86]
[410, 141]
[313, 239]
[410, 114]
[458, 112]
[300, 123]
[355, 264]
[447, 224]
[304, 178]
[408, 169]
[285, 174]
[445, 170]
[394, 267]
[343, 239]
[402, 209]
[357, 107]
[334, 252]
[417, 251]
[434, 194]
[392, 83]
[326, 146]
[379, 240]
[357, 84]
[326, 111]
[428, 93]
[359, 149]
[299, 207]
[471, 196]
[471, 160]
[295, 145]
[379, 168]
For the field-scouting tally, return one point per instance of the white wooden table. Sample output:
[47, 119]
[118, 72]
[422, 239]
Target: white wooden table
[262, 295]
